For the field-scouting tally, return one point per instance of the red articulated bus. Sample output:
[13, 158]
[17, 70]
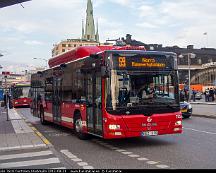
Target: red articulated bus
[110, 92]
[20, 95]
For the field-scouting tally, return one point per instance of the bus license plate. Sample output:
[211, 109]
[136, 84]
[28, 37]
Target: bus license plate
[149, 133]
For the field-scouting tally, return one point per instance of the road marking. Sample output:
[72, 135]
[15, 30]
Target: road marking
[142, 158]
[133, 155]
[126, 152]
[212, 133]
[77, 160]
[24, 155]
[151, 162]
[82, 163]
[39, 134]
[88, 167]
[29, 163]
[162, 166]
[58, 168]
[68, 154]
[120, 150]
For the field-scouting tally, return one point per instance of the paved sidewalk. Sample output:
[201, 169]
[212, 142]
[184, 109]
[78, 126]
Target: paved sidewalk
[204, 103]
[204, 110]
[16, 134]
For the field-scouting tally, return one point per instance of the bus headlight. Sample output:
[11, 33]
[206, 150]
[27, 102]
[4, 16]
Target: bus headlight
[178, 116]
[178, 123]
[114, 127]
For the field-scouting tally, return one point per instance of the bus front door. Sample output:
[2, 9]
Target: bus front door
[94, 105]
[56, 107]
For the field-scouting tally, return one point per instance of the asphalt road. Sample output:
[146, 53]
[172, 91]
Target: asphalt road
[194, 149]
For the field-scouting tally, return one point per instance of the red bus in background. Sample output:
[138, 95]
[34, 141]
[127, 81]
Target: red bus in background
[20, 95]
[98, 90]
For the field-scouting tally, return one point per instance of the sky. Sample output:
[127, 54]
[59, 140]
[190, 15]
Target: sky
[30, 32]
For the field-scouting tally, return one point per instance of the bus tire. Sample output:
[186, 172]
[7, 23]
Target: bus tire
[42, 120]
[78, 127]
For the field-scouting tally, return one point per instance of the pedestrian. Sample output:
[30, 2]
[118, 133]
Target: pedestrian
[206, 93]
[186, 95]
[6, 99]
[211, 94]
[182, 95]
[194, 95]
[214, 93]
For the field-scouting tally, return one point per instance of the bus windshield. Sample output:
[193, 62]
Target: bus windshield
[128, 89]
[20, 92]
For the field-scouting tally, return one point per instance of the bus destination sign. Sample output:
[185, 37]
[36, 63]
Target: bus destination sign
[138, 62]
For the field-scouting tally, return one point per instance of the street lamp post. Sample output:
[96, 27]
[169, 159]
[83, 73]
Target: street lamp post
[189, 56]
[6, 97]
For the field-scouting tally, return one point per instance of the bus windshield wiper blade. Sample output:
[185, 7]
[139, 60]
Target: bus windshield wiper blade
[170, 105]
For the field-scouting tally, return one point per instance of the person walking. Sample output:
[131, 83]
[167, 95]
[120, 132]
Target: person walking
[206, 93]
[6, 99]
[194, 95]
[211, 94]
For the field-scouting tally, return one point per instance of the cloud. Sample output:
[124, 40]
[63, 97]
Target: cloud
[183, 22]
[33, 42]
[122, 2]
[146, 25]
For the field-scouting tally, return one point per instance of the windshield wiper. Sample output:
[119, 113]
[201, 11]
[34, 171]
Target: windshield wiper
[169, 105]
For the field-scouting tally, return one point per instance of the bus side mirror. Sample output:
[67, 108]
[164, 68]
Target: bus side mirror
[104, 72]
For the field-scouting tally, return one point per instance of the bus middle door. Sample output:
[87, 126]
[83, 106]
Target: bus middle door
[94, 106]
[56, 107]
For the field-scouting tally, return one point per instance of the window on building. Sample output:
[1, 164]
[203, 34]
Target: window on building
[210, 60]
[151, 48]
[63, 50]
[63, 45]
[199, 61]
[74, 45]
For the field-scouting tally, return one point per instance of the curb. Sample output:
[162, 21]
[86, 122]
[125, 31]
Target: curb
[45, 141]
[203, 103]
[205, 116]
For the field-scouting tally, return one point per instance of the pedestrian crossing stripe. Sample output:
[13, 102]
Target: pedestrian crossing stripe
[29, 163]
[30, 159]
[25, 155]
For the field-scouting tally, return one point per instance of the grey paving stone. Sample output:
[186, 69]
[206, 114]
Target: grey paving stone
[23, 139]
[12, 140]
[3, 142]
[5, 126]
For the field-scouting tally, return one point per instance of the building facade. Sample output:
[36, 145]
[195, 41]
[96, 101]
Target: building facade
[202, 67]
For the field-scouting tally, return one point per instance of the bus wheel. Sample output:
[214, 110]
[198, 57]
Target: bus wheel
[42, 120]
[78, 127]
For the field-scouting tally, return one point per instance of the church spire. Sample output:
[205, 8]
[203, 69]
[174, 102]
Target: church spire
[90, 27]
[82, 29]
[97, 34]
